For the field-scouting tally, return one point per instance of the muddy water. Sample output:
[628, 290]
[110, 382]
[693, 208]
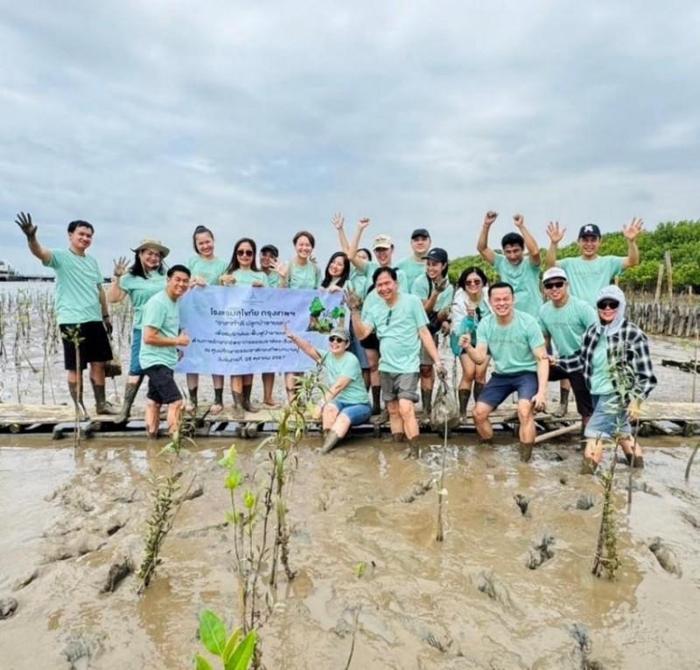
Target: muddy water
[419, 601]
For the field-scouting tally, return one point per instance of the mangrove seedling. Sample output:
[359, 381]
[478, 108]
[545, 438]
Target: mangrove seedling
[235, 651]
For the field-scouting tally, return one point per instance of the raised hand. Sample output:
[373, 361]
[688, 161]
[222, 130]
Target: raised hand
[280, 267]
[633, 229]
[518, 220]
[363, 223]
[24, 221]
[554, 232]
[490, 217]
[338, 221]
[120, 266]
[352, 300]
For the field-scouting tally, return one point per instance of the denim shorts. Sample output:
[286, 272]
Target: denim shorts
[135, 369]
[609, 418]
[500, 386]
[357, 413]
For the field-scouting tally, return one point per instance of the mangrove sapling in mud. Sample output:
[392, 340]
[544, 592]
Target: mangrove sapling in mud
[605, 557]
[235, 650]
[73, 336]
[442, 411]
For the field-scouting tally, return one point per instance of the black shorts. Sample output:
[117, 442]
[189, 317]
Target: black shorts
[93, 348]
[162, 388]
[584, 402]
[370, 342]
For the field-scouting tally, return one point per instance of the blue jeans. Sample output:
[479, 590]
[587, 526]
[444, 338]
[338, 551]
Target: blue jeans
[356, 413]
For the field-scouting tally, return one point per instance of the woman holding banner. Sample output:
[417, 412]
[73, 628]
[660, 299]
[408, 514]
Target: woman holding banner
[206, 269]
[346, 400]
[243, 270]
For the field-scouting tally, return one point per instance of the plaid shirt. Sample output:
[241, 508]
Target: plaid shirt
[628, 358]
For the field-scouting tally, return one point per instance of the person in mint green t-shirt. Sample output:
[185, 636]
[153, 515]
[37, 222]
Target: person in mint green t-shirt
[564, 319]
[243, 271]
[206, 269]
[414, 265]
[141, 282]
[81, 308]
[301, 272]
[514, 342]
[589, 273]
[269, 255]
[401, 325]
[346, 402]
[159, 341]
[436, 293]
[513, 267]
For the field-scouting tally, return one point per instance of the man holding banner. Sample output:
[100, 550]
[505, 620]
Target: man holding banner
[400, 323]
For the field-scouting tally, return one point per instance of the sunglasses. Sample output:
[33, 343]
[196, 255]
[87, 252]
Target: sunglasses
[473, 282]
[244, 252]
[335, 338]
[608, 304]
[554, 284]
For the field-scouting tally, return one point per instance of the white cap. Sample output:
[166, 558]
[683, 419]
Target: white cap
[554, 273]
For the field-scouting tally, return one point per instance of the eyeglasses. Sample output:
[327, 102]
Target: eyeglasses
[473, 282]
[335, 338]
[388, 317]
[244, 252]
[608, 304]
[554, 284]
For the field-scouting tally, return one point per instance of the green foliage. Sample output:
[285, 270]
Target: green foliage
[235, 651]
[681, 238]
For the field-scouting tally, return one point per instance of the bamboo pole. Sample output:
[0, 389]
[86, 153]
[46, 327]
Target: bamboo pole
[669, 275]
[659, 283]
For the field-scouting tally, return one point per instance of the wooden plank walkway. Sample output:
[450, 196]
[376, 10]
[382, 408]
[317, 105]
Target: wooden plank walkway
[46, 418]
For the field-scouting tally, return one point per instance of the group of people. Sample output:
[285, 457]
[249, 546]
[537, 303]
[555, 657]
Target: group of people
[566, 323]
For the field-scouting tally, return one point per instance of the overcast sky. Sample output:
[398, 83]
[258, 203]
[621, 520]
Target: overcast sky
[263, 118]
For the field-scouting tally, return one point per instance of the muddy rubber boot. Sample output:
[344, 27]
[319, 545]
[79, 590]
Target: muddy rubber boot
[638, 462]
[191, 404]
[563, 403]
[376, 400]
[463, 402]
[413, 448]
[398, 437]
[525, 450]
[73, 390]
[129, 396]
[218, 405]
[478, 388]
[331, 442]
[247, 405]
[588, 466]
[426, 399]
[101, 404]
[237, 412]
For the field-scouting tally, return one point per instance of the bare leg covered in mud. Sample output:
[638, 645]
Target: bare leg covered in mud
[527, 432]
[402, 418]
[335, 427]
[153, 417]
[593, 453]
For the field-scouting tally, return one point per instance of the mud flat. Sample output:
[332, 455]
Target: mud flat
[362, 541]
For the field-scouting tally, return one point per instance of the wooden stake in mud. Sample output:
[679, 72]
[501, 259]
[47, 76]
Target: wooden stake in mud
[695, 363]
[659, 284]
[669, 276]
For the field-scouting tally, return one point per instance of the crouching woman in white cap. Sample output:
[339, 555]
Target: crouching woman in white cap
[618, 372]
[346, 399]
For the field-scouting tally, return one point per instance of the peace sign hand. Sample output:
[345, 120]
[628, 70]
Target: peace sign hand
[338, 221]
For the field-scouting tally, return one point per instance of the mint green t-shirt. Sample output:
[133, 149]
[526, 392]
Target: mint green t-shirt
[421, 288]
[511, 347]
[348, 366]
[78, 278]
[209, 270]
[372, 266]
[273, 279]
[163, 314]
[140, 291]
[525, 280]
[601, 380]
[303, 276]
[358, 283]
[397, 330]
[411, 268]
[587, 278]
[247, 277]
[566, 325]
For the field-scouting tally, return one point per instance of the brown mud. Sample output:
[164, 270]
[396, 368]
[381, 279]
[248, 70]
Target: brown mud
[73, 521]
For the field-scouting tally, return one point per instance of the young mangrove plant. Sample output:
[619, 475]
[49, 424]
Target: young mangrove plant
[234, 650]
[73, 336]
[606, 558]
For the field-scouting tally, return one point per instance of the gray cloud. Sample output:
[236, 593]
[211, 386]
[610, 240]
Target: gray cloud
[149, 118]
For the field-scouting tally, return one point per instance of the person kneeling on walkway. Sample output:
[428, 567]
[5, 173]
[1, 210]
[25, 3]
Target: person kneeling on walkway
[346, 401]
[401, 324]
[618, 372]
[160, 338]
[515, 342]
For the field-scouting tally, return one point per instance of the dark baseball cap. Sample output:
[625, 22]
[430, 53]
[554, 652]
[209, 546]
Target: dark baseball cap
[272, 249]
[436, 254]
[589, 230]
[420, 232]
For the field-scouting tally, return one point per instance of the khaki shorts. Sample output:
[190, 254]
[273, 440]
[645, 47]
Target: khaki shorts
[399, 386]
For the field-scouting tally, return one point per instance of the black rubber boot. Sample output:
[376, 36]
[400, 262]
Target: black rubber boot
[101, 404]
[563, 403]
[129, 396]
[478, 388]
[193, 392]
[73, 390]
[426, 399]
[247, 405]
[463, 402]
[376, 400]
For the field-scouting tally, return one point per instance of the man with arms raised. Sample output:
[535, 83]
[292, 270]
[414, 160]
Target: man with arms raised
[160, 338]
[514, 341]
[401, 324]
[81, 308]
